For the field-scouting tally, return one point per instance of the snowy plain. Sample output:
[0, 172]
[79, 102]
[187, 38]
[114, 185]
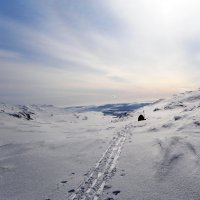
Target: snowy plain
[57, 154]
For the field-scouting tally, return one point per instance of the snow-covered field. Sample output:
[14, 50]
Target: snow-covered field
[56, 154]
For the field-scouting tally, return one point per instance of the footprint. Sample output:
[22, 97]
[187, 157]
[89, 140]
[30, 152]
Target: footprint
[64, 181]
[106, 187]
[116, 192]
[122, 174]
[197, 123]
[71, 191]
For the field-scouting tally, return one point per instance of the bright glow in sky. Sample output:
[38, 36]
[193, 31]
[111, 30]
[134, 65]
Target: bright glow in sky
[75, 52]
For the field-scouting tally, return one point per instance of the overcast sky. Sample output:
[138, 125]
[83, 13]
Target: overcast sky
[76, 52]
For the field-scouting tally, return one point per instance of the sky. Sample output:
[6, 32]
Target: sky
[83, 52]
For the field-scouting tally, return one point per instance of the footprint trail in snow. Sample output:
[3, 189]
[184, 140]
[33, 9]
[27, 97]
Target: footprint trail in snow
[92, 186]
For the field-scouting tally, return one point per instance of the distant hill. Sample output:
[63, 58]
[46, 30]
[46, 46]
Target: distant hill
[116, 110]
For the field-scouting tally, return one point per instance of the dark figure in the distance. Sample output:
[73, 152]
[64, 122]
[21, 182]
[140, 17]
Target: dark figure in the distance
[141, 118]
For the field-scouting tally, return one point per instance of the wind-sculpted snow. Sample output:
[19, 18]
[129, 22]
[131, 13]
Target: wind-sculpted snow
[172, 151]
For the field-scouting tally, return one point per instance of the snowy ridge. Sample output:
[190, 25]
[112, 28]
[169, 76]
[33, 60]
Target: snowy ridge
[164, 151]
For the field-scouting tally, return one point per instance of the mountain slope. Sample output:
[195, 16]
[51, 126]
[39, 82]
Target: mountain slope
[161, 156]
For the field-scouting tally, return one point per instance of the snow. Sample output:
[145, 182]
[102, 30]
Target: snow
[64, 154]
[160, 159]
[37, 155]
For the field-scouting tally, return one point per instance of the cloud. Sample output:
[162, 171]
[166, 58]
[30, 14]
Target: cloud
[69, 48]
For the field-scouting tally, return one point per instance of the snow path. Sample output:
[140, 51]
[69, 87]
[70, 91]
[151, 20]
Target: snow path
[92, 187]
